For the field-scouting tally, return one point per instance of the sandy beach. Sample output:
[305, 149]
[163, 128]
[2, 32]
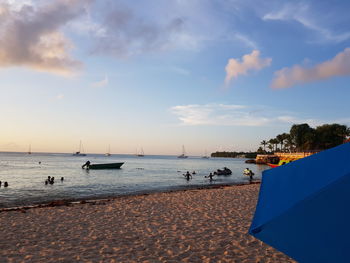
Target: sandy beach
[207, 225]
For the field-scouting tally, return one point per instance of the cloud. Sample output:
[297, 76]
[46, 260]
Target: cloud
[238, 115]
[288, 77]
[300, 12]
[126, 32]
[30, 35]
[247, 41]
[180, 71]
[252, 61]
[59, 96]
[102, 83]
[218, 115]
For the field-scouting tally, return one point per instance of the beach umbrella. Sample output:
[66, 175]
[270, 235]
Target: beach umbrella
[304, 207]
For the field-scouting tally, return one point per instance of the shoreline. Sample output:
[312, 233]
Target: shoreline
[108, 198]
[197, 225]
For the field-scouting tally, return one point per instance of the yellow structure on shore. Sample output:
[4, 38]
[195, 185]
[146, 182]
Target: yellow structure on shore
[294, 156]
[275, 157]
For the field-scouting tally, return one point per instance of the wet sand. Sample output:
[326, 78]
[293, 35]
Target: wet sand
[207, 225]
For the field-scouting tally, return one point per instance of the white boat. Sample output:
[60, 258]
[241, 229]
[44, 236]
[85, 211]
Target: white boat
[205, 155]
[141, 154]
[183, 155]
[108, 153]
[81, 151]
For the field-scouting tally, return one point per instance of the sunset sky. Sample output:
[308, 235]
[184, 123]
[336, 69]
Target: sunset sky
[207, 74]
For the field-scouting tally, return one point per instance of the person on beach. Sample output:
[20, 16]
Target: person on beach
[62, 178]
[0, 183]
[52, 181]
[87, 165]
[46, 182]
[6, 184]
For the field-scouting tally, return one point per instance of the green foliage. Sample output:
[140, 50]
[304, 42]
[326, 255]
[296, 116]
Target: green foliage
[251, 155]
[302, 137]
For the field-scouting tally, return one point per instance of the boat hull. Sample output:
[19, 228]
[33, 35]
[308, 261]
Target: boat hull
[272, 165]
[101, 166]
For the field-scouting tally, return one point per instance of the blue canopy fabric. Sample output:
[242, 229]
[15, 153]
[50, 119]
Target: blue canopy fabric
[304, 207]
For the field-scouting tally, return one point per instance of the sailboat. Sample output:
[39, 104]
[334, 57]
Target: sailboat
[183, 155]
[108, 153]
[141, 154]
[205, 155]
[79, 153]
[30, 149]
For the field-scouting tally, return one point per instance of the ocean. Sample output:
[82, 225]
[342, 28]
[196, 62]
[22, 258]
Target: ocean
[26, 176]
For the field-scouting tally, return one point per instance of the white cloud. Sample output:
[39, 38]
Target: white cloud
[59, 96]
[180, 71]
[247, 41]
[239, 115]
[218, 115]
[301, 13]
[249, 62]
[30, 35]
[102, 83]
[288, 77]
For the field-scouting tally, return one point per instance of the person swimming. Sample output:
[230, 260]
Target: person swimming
[6, 184]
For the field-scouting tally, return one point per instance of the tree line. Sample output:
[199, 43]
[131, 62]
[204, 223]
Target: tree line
[234, 154]
[302, 137]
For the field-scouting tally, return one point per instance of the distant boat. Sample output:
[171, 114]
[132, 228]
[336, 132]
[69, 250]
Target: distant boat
[205, 155]
[183, 155]
[101, 166]
[81, 151]
[141, 154]
[108, 153]
[30, 149]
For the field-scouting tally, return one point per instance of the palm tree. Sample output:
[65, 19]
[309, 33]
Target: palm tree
[270, 147]
[274, 142]
[264, 143]
[281, 138]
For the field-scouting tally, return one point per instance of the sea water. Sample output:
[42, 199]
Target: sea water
[26, 175]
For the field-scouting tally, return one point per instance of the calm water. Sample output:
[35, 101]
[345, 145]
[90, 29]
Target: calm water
[138, 175]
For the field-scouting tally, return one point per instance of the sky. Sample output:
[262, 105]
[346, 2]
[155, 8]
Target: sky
[212, 75]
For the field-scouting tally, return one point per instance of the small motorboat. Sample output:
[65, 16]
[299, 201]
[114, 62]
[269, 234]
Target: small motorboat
[224, 171]
[100, 166]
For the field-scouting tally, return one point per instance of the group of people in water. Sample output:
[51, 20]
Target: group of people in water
[246, 172]
[5, 184]
[51, 180]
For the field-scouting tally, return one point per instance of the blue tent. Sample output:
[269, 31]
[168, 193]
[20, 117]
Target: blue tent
[304, 207]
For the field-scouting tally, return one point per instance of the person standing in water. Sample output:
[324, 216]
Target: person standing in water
[188, 176]
[87, 165]
[210, 176]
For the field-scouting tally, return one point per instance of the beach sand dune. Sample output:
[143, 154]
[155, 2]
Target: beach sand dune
[207, 225]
